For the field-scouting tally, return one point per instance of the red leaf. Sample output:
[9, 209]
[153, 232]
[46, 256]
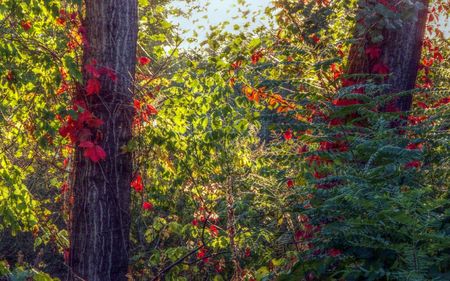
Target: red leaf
[201, 254]
[84, 135]
[413, 164]
[84, 116]
[26, 25]
[112, 75]
[442, 101]
[290, 183]
[61, 21]
[248, 252]
[108, 72]
[64, 187]
[373, 52]
[79, 103]
[334, 252]
[66, 255]
[288, 135]
[388, 5]
[380, 68]
[237, 64]
[151, 110]
[348, 82]
[414, 120]
[336, 70]
[413, 146]
[213, 230]
[336, 122]
[10, 75]
[86, 144]
[93, 151]
[438, 56]
[318, 175]
[137, 105]
[427, 62]
[256, 57]
[345, 102]
[315, 38]
[422, 105]
[93, 87]
[92, 69]
[63, 88]
[137, 183]
[303, 149]
[144, 60]
[147, 206]
[95, 122]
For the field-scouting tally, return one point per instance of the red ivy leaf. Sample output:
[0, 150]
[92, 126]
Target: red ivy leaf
[413, 164]
[86, 144]
[413, 146]
[345, 102]
[91, 68]
[64, 187]
[248, 252]
[388, 5]
[66, 255]
[336, 70]
[26, 25]
[151, 110]
[93, 87]
[256, 57]
[290, 183]
[414, 120]
[237, 64]
[137, 105]
[428, 62]
[144, 60]
[213, 230]
[422, 105]
[373, 52]
[303, 149]
[61, 21]
[84, 135]
[112, 75]
[442, 101]
[201, 254]
[95, 122]
[380, 68]
[334, 252]
[318, 175]
[288, 135]
[137, 183]
[93, 151]
[147, 206]
[315, 38]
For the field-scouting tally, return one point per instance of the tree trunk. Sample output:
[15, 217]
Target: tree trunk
[100, 216]
[400, 50]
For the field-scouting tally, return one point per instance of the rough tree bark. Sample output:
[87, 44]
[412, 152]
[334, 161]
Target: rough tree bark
[100, 216]
[400, 51]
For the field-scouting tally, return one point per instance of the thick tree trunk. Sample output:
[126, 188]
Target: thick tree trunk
[400, 51]
[100, 217]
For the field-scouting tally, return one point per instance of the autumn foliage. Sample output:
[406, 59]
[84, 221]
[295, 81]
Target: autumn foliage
[260, 155]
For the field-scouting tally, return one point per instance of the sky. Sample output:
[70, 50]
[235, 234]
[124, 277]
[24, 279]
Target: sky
[219, 11]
